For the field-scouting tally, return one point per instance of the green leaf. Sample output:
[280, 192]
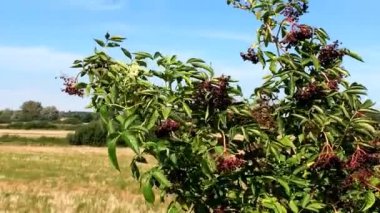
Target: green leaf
[316, 63]
[148, 191]
[142, 55]
[126, 53]
[293, 206]
[203, 66]
[316, 207]
[187, 109]
[305, 200]
[153, 119]
[195, 60]
[100, 42]
[369, 200]
[174, 207]
[166, 112]
[131, 141]
[135, 170]
[353, 55]
[161, 178]
[111, 143]
[285, 185]
[117, 38]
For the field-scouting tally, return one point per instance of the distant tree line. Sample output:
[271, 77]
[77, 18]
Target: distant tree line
[34, 111]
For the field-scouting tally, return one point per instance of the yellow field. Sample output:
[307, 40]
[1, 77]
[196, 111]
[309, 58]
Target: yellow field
[35, 133]
[67, 179]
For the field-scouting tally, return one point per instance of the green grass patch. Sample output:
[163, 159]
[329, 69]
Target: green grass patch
[41, 141]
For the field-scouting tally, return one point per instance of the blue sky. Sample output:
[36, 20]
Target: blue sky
[39, 39]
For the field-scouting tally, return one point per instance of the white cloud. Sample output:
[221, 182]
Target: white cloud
[35, 59]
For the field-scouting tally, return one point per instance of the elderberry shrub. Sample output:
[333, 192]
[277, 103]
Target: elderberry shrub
[292, 151]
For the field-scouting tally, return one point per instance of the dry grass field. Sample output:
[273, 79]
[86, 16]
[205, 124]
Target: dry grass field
[67, 179]
[35, 133]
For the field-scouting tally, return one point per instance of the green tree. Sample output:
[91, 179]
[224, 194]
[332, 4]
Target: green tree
[49, 113]
[5, 116]
[304, 141]
[31, 110]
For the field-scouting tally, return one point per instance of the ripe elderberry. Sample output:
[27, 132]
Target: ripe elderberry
[298, 33]
[213, 95]
[358, 159]
[330, 54]
[166, 127]
[327, 159]
[250, 55]
[291, 12]
[70, 86]
[311, 91]
[229, 163]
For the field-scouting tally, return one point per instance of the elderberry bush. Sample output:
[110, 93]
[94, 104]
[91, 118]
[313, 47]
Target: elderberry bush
[306, 140]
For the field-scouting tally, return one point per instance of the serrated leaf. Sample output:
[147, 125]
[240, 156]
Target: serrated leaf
[316, 207]
[111, 143]
[305, 200]
[131, 141]
[285, 185]
[161, 178]
[369, 200]
[148, 191]
[187, 109]
[293, 206]
[316, 63]
[153, 119]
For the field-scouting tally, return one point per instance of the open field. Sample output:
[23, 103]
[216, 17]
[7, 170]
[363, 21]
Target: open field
[36, 133]
[67, 179]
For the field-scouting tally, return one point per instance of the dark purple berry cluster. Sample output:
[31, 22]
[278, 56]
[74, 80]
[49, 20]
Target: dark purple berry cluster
[333, 84]
[327, 159]
[229, 163]
[293, 11]
[250, 55]
[70, 86]
[213, 94]
[329, 54]
[297, 34]
[166, 127]
[311, 91]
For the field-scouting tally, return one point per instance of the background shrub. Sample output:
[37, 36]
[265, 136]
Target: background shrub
[32, 125]
[92, 134]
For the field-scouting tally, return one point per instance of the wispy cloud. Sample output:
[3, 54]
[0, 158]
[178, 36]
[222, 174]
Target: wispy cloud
[98, 4]
[28, 73]
[34, 59]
